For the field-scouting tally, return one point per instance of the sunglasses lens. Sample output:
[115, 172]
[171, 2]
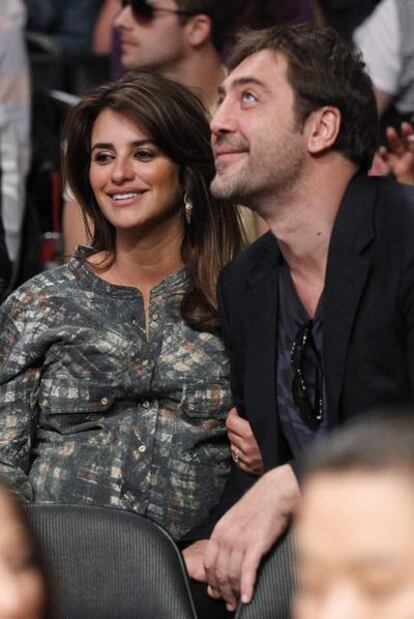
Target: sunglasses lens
[141, 10]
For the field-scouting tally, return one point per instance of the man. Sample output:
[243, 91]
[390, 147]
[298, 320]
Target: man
[385, 40]
[355, 526]
[317, 314]
[343, 15]
[64, 27]
[182, 40]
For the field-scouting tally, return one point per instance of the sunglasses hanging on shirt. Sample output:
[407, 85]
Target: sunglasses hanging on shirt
[307, 397]
[144, 10]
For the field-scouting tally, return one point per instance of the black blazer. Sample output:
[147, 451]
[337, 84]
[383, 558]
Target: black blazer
[368, 320]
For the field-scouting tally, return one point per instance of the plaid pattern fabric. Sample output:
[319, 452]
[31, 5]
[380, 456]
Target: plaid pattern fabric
[94, 411]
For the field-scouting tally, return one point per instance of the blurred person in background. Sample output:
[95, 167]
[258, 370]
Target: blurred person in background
[180, 39]
[264, 13]
[22, 582]
[385, 39]
[14, 131]
[343, 15]
[386, 42]
[63, 27]
[105, 37]
[354, 529]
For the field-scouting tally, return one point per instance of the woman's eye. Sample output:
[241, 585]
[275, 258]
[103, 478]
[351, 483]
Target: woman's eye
[102, 157]
[145, 155]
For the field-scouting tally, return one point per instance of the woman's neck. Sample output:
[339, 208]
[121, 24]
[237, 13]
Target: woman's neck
[143, 260]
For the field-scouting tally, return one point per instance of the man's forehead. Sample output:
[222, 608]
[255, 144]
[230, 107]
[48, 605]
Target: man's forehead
[259, 68]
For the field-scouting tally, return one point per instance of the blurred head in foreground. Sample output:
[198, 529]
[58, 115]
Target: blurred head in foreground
[22, 587]
[355, 529]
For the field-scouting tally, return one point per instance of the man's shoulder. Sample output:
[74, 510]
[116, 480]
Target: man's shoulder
[254, 259]
[395, 201]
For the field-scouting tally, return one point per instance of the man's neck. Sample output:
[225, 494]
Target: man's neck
[202, 71]
[302, 220]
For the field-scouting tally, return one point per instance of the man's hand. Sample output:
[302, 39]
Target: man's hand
[244, 447]
[246, 533]
[399, 156]
[193, 558]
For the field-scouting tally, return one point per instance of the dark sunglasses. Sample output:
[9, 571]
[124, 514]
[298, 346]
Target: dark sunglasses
[303, 349]
[144, 11]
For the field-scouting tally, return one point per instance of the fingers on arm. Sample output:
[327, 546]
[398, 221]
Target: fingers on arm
[250, 566]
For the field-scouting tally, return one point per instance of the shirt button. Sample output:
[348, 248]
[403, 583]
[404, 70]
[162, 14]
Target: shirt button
[142, 449]
[146, 404]
[134, 322]
[145, 363]
[155, 317]
[104, 401]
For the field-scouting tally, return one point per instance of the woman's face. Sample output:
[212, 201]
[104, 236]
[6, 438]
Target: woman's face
[22, 594]
[135, 184]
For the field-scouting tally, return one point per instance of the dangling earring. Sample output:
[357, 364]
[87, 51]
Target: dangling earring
[188, 208]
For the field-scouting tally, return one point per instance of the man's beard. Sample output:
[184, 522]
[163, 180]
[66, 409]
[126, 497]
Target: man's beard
[229, 188]
[259, 178]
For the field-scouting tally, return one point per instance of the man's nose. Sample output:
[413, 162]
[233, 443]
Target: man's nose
[122, 17]
[225, 118]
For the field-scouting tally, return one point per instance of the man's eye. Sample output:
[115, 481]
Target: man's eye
[248, 97]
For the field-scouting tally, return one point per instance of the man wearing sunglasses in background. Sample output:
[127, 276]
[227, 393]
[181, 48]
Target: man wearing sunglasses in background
[317, 314]
[181, 39]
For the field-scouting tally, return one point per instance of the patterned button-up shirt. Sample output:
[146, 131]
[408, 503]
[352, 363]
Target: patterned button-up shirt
[94, 410]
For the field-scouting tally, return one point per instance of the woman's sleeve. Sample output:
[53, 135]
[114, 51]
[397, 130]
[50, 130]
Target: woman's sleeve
[20, 369]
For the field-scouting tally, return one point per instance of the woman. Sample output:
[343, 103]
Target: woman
[114, 384]
[22, 585]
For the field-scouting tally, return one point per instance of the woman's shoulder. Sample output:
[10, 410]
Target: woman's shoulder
[55, 281]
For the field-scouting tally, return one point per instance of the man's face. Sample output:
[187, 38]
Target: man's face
[156, 45]
[258, 146]
[355, 535]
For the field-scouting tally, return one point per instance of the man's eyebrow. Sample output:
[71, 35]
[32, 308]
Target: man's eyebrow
[242, 81]
[134, 143]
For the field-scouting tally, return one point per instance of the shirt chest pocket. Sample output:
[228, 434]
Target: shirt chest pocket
[207, 404]
[71, 406]
[200, 436]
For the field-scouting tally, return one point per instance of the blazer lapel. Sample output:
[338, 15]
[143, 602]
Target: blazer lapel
[349, 264]
[260, 388]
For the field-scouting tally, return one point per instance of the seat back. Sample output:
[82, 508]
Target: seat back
[275, 585]
[110, 564]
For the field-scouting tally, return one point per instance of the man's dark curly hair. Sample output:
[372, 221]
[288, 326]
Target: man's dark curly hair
[223, 15]
[323, 69]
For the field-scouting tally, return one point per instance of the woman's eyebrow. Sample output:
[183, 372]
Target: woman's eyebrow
[134, 143]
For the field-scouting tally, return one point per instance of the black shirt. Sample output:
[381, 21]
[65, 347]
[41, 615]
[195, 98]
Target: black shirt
[292, 315]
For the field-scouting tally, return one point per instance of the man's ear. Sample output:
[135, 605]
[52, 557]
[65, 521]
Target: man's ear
[322, 128]
[198, 30]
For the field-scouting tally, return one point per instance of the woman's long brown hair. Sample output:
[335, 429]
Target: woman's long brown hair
[176, 120]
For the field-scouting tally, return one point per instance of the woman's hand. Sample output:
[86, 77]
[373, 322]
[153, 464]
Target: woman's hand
[244, 447]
